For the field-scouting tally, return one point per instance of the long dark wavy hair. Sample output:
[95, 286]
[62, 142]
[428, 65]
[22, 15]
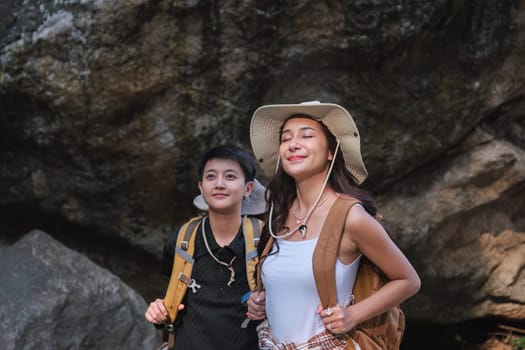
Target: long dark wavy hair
[281, 190]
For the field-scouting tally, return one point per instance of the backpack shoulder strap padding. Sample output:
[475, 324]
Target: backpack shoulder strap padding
[252, 231]
[325, 253]
[263, 256]
[180, 277]
[183, 260]
[382, 332]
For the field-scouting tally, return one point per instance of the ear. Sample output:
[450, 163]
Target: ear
[330, 156]
[200, 186]
[248, 188]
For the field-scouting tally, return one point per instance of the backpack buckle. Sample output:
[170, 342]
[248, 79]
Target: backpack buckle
[170, 327]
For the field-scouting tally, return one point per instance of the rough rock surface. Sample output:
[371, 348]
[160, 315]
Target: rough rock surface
[464, 229]
[54, 298]
[105, 106]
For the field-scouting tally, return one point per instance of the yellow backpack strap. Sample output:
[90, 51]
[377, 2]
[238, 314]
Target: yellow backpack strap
[252, 230]
[180, 278]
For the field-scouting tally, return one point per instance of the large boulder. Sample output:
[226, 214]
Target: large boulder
[463, 226]
[106, 105]
[54, 298]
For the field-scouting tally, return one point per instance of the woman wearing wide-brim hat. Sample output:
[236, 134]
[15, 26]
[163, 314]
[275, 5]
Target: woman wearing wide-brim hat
[313, 152]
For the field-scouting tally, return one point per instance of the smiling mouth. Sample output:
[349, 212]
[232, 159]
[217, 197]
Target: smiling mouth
[295, 158]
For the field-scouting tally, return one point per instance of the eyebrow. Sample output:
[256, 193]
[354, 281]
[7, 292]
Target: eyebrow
[225, 171]
[301, 129]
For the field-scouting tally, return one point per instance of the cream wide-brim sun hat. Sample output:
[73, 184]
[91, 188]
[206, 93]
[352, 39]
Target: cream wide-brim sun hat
[254, 204]
[268, 120]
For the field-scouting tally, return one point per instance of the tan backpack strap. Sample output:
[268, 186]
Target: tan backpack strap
[325, 253]
[263, 256]
[251, 230]
[180, 277]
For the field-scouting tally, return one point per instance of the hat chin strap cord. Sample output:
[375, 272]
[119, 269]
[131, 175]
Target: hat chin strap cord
[302, 226]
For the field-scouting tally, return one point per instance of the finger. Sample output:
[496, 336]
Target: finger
[329, 311]
[152, 317]
[253, 310]
[150, 313]
[256, 298]
[156, 312]
[261, 298]
[256, 311]
[155, 315]
[255, 317]
[259, 314]
[160, 309]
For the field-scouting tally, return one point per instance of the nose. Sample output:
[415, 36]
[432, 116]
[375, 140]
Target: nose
[219, 182]
[293, 144]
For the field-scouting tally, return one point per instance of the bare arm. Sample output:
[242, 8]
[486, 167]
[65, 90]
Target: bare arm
[371, 239]
[364, 235]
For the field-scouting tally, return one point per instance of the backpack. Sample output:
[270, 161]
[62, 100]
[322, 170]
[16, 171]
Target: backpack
[180, 279]
[382, 332]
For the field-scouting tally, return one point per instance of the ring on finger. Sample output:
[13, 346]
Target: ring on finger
[329, 311]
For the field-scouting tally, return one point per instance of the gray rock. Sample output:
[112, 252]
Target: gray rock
[54, 298]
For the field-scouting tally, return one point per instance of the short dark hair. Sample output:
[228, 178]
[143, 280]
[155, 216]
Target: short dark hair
[231, 152]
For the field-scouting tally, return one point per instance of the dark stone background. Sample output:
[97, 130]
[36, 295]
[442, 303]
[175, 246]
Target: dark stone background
[106, 106]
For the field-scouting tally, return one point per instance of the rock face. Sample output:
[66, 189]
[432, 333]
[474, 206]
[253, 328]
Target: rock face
[464, 226]
[105, 107]
[54, 298]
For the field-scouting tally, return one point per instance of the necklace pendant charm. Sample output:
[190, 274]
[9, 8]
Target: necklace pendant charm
[303, 230]
[232, 276]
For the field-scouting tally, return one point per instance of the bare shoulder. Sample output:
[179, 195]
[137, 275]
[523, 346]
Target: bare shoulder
[357, 214]
[360, 224]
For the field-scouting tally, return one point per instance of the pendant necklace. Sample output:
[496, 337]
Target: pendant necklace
[220, 262]
[301, 224]
[298, 219]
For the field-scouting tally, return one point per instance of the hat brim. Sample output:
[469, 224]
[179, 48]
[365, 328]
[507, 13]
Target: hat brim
[268, 120]
[254, 204]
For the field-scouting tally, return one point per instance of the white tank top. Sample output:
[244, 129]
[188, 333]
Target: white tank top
[291, 294]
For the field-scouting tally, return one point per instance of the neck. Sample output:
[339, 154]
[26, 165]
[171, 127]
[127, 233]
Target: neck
[224, 226]
[308, 190]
